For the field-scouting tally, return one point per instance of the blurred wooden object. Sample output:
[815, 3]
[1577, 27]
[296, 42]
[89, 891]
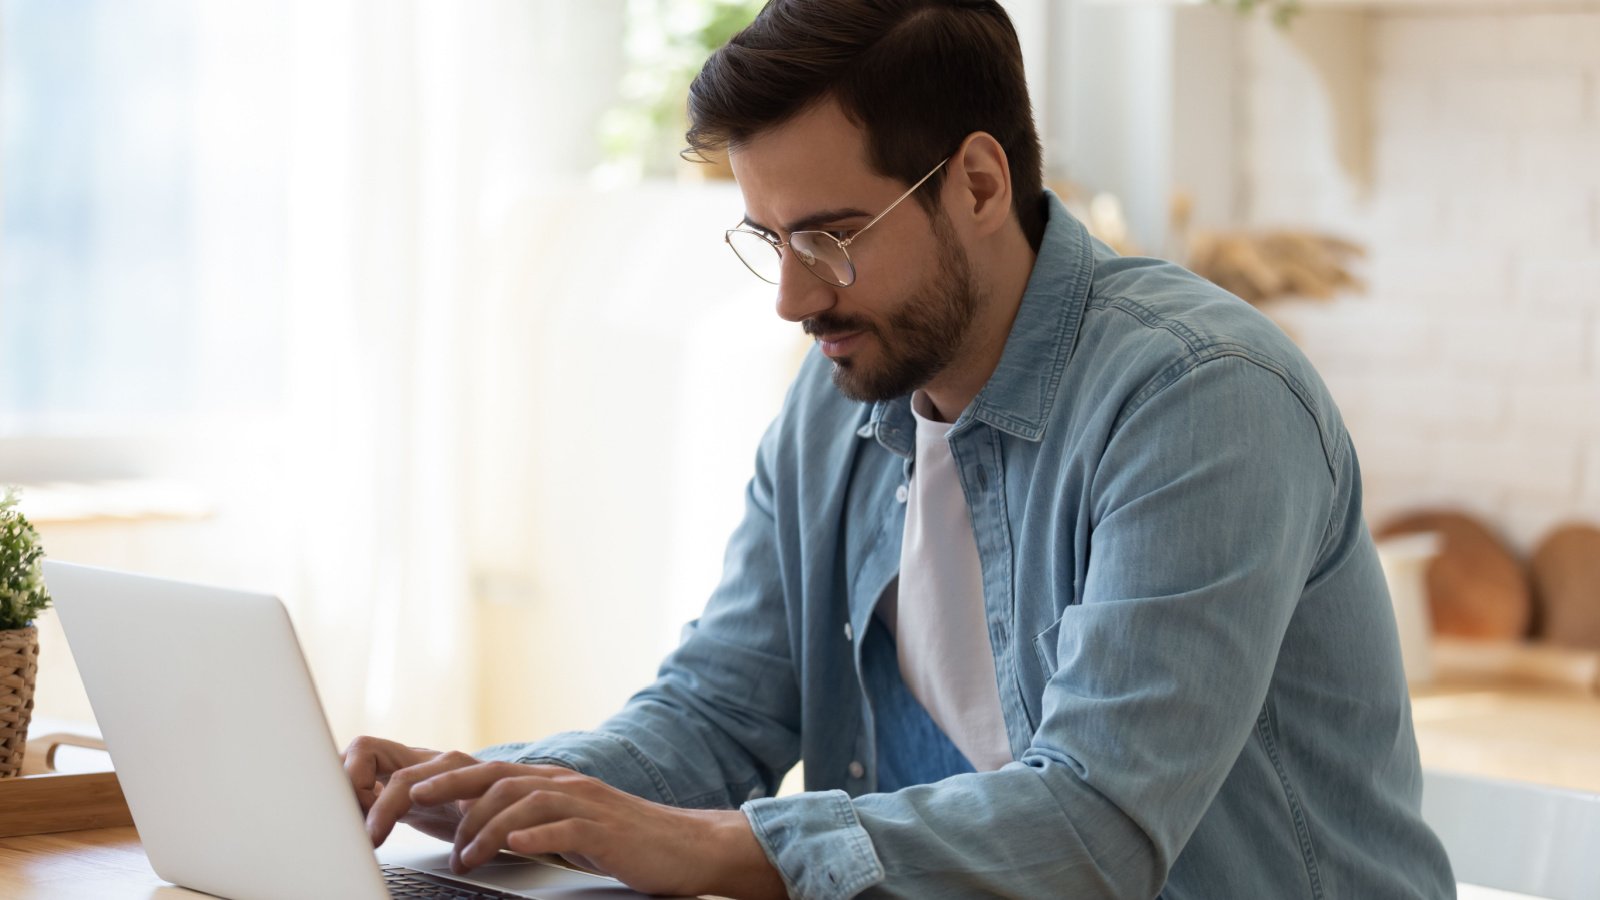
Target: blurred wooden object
[1266, 264]
[1515, 663]
[1261, 266]
[1476, 587]
[42, 801]
[1257, 265]
[1566, 586]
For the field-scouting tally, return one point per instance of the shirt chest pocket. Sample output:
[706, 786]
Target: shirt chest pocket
[1044, 648]
[1034, 670]
[1040, 624]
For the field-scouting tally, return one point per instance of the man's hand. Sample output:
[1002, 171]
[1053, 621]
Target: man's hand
[383, 772]
[652, 848]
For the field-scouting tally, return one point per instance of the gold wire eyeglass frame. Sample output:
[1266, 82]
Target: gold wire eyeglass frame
[810, 259]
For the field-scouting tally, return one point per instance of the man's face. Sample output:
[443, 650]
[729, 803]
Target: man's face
[905, 319]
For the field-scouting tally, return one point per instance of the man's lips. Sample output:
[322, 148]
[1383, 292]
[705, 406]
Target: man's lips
[838, 344]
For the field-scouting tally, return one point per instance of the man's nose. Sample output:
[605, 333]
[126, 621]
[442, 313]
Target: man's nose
[801, 294]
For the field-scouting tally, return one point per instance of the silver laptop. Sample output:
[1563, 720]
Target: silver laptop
[221, 747]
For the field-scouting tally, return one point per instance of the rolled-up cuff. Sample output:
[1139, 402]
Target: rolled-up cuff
[816, 843]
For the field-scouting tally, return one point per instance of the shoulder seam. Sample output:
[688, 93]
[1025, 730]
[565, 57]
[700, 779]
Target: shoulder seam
[1332, 450]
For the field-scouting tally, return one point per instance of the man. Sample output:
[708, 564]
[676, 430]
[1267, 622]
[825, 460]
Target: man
[1053, 571]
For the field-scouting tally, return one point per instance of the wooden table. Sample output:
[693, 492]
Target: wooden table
[106, 864]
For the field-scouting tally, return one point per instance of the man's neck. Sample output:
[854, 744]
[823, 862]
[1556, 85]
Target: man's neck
[1002, 277]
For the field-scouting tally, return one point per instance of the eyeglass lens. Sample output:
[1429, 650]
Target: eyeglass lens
[823, 256]
[818, 252]
[758, 254]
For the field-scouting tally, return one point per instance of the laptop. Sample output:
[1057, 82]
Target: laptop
[227, 762]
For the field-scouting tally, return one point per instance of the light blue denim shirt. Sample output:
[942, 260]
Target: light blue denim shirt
[1193, 643]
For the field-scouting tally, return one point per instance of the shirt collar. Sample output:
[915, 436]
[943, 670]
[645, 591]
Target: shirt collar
[1018, 397]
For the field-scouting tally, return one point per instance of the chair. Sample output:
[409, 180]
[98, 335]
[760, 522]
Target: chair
[1515, 836]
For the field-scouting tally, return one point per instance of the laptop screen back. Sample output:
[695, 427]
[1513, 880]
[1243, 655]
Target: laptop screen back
[217, 735]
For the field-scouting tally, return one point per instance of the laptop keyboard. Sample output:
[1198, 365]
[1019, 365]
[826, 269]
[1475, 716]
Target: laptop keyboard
[410, 883]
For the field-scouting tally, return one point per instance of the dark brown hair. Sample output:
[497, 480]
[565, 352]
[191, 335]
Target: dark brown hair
[917, 76]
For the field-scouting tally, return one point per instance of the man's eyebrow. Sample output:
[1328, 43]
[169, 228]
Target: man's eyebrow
[809, 223]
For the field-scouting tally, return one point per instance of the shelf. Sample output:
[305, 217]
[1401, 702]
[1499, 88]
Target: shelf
[1509, 6]
[121, 501]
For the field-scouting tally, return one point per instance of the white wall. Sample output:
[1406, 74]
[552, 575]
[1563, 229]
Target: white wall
[1469, 374]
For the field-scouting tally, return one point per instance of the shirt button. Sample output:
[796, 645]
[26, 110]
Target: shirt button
[900, 494]
[857, 770]
[849, 633]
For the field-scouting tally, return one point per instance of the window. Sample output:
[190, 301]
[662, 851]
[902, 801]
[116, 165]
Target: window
[141, 245]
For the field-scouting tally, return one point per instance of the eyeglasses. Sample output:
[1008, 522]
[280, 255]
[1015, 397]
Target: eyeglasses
[823, 253]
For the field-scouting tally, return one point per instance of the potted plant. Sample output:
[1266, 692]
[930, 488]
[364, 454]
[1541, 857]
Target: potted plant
[22, 598]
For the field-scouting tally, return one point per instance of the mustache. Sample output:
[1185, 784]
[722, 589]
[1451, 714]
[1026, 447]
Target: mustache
[826, 324]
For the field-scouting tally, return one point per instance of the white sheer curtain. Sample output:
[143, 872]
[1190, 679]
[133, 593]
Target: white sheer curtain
[521, 409]
[410, 122]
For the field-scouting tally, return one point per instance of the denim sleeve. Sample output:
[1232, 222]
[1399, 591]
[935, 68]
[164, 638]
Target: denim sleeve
[721, 722]
[1209, 507]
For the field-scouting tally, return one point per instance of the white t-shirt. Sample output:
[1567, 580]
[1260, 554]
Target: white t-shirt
[937, 613]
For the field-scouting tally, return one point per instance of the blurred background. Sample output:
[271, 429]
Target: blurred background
[409, 312]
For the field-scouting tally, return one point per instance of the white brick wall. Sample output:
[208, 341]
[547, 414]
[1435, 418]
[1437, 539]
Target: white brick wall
[1469, 373]
[1511, 343]
[1492, 102]
[1564, 283]
[1410, 270]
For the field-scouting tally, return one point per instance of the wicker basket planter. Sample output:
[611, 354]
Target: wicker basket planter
[19, 664]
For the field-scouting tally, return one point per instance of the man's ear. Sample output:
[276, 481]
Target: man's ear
[983, 176]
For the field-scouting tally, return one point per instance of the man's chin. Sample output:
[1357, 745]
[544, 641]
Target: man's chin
[855, 383]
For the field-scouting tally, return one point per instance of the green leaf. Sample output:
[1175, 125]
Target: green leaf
[22, 592]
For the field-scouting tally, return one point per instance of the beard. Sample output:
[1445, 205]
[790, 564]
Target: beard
[919, 338]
